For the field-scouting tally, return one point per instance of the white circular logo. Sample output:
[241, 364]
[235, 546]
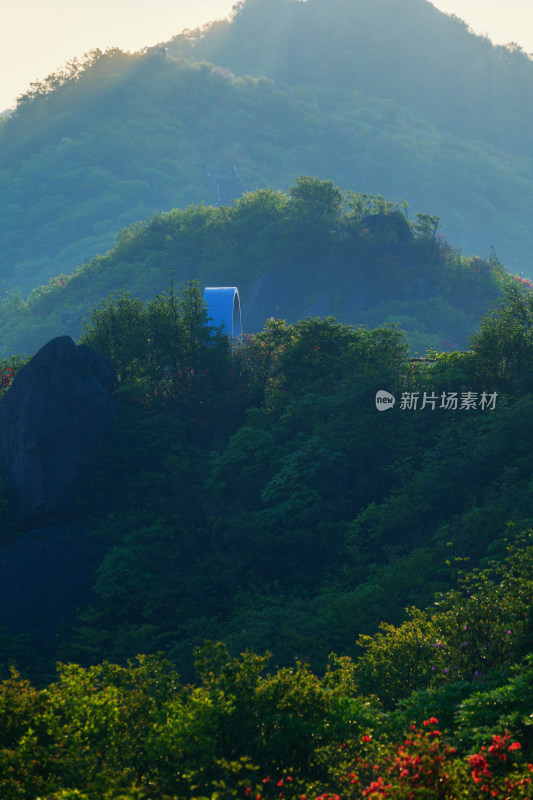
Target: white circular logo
[384, 400]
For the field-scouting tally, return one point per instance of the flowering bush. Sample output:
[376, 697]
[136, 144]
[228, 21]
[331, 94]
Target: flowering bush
[135, 732]
[422, 765]
[8, 369]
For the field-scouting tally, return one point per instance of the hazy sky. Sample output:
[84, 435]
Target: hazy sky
[38, 36]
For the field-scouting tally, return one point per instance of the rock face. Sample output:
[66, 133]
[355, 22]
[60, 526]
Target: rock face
[51, 419]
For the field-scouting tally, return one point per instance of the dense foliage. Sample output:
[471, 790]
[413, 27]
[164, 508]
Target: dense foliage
[361, 253]
[253, 493]
[136, 731]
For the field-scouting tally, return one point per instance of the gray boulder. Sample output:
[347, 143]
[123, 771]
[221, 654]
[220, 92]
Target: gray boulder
[55, 413]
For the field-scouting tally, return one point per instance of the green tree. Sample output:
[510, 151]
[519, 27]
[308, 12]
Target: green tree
[427, 225]
[163, 342]
[503, 346]
[316, 197]
[118, 330]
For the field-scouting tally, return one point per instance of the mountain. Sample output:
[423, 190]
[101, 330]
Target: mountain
[313, 252]
[382, 97]
[408, 52]
[188, 487]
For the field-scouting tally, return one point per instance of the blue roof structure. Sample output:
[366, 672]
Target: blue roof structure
[224, 308]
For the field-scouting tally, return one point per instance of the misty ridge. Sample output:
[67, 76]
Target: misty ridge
[386, 98]
[389, 100]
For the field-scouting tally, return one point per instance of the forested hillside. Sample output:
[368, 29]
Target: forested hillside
[382, 101]
[296, 564]
[408, 52]
[314, 251]
[252, 492]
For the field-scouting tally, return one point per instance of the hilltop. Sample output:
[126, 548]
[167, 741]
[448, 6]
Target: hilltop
[366, 96]
[407, 52]
[313, 252]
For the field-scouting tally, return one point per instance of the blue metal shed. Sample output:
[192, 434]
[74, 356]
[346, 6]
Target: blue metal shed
[224, 308]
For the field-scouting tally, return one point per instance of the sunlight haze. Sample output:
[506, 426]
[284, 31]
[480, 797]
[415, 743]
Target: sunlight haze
[37, 38]
[503, 22]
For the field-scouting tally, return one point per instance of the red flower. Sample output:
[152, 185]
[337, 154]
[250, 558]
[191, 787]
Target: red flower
[479, 766]
[377, 787]
[367, 738]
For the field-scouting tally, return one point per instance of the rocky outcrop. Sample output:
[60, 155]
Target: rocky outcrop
[388, 228]
[55, 413]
